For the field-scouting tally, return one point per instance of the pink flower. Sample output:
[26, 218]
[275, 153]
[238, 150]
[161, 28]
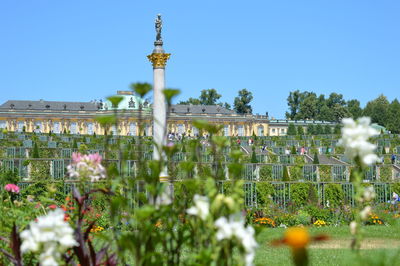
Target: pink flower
[76, 157]
[12, 188]
[86, 166]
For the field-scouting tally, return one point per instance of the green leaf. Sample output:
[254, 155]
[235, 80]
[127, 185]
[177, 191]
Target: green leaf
[115, 100]
[106, 120]
[141, 88]
[170, 94]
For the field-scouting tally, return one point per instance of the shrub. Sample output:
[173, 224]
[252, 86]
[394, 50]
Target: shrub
[265, 191]
[300, 193]
[185, 190]
[317, 213]
[385, 173]
[396, 188]
[286, 176]
[296, 172]
[325, 173]
[334, 194]
[266, 172]
[303, 217]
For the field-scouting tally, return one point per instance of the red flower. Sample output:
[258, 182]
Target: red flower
[53, 206]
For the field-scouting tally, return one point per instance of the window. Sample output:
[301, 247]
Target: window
[56, 127]
[114, 130]
[273, 130]
[38, 127]
[282, 130]
[2, 124]
[20, 126]
[147, 130]
[73, 128]
[180, 129]
[240, 131]
[90, 128]
[260, 131]
[195, 131]
[226, 131]
[132, 129]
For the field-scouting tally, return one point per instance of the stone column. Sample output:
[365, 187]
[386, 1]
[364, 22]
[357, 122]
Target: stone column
[159, 59]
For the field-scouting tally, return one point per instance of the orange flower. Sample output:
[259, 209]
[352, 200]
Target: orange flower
[298, 238]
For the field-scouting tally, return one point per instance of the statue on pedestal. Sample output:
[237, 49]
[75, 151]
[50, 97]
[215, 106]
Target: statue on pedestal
[158, 24]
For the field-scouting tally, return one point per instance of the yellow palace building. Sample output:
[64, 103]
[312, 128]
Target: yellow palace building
[80, 117]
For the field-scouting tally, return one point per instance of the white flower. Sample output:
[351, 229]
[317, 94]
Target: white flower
[365, 212]
[163, 199]
[353, 227]
[369, 193]
[234, 228]
[355, 135]
[201, 207]
[51, 235]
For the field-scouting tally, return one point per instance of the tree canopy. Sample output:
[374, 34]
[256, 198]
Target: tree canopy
[207, 97]
[242, 103]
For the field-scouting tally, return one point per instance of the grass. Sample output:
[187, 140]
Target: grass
[381, 247]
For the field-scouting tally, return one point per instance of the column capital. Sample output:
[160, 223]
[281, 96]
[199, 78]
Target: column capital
[159, 60]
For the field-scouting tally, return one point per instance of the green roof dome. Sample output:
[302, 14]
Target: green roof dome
[130, 101]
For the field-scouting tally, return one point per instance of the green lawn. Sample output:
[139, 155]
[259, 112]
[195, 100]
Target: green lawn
[382, 246]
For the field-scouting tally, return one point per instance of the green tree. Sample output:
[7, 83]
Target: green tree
[225, 105]
[286, 176]
[291, 129]
[316, 159]
[253, 155]
[325, 113]
[300, 130]
[339, 112]
[335, 99]
[310, 129]
[319, 130]
[378, 110]
[293, 151]
[242, 103]
[35, 152]
[353, 106]
[308, 106]
[327, 129]
[74, 145]
[209, 97]
[293, 102]
[338, 129]
[193, 101]
[393, 123]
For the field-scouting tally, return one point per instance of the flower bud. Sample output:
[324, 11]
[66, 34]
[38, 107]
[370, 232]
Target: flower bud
[369, 193]
[365, 212]
[353, 227]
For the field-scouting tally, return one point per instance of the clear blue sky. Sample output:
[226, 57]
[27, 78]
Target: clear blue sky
[83, 50]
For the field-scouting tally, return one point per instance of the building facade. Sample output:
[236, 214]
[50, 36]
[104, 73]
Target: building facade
[80, 118]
